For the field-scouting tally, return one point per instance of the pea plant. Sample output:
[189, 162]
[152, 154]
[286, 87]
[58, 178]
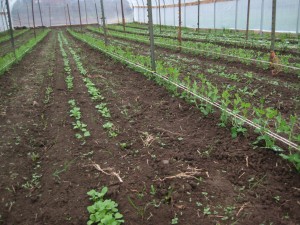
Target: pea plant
[267, 119]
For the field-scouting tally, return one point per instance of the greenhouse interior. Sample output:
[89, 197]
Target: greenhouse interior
[149, 112]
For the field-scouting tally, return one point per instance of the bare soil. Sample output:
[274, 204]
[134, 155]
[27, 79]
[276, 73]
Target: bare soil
[234, 185]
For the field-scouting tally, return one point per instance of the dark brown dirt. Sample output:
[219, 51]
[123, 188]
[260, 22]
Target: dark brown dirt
[247, 186]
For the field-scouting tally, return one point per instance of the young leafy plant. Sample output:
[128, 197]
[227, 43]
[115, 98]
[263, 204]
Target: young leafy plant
[103, 212]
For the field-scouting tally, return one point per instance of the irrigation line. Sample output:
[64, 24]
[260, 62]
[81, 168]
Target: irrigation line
[217, 105]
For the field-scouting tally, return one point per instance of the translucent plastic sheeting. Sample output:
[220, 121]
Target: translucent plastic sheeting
[286, 19]
[59, 12]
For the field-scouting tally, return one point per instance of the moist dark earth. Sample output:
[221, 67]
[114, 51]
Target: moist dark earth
[45, 172]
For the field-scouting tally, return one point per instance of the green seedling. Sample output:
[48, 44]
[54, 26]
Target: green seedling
[103, 211]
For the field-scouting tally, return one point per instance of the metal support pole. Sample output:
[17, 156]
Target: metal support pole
[248, 17]
[174, 13]
[273, 25]
[179, 25]
[33, 20]
[41, 13]
[164, 13]
[70, 16]
[132, 10]
[138, 11]
[117, 13]
[151, 35]
[215, 14]
[66, 17]
[198, 23]
[3, 24]
[159, 16]
[298, 18]
[50, 16]
[236, 13]
[123, 16]
[86, 15]
[262, 16]
[184, 13]
[11, 29]
[28, 14]
[103, 22]
[144, 11]
[19, 19]
[79, 12]
[97, 15]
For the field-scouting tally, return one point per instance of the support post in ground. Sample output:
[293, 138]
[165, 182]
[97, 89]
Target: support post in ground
[41, 14]
[184, 13]
[273, 25]
[174, 14]
[50, 16]
[159, 16]
[11, 29]
[19, 19]
[103, 22]
[79, 12]
[118, 13]
[236, 14]
[215, 14]
[97, 15]
[198, 23]
[69, 15]
[144, 11]
[248, 18]
[123, 16]
[86, 15]
[179, 25]
[262, 16]
[33, 19]
[28, 20]
[151, 35]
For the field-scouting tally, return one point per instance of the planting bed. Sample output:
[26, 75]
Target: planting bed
[177, 166]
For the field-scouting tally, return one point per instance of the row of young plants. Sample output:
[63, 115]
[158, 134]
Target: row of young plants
[212, 51]
[16, 34]
[95, 94]
[221, 34]
[102, 211]
[81, 128]
[9, 59]
[247, 84]
[266, 117]
[210, 38]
